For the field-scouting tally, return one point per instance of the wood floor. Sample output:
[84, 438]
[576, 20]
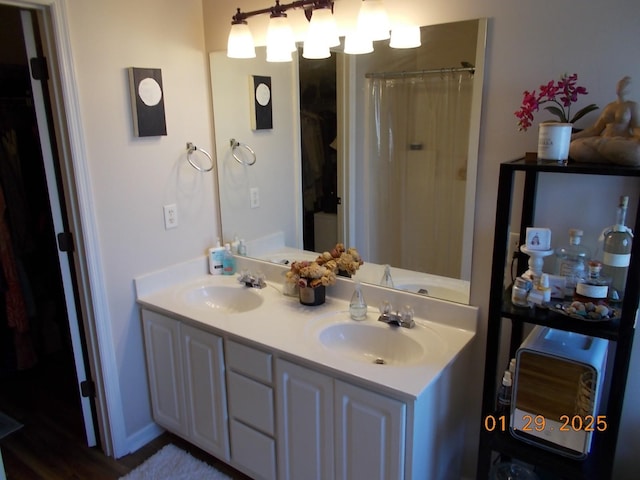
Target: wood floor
[51, 445]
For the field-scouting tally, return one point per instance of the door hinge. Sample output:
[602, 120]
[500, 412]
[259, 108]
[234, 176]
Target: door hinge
[65, 242]
[39, 68]
[88, 388]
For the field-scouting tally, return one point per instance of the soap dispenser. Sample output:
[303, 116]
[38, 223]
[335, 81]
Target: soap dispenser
[357, 306]
[386, 280]
[228, 261]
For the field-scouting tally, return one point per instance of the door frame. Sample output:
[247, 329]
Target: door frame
[77, 191]
[56, 204]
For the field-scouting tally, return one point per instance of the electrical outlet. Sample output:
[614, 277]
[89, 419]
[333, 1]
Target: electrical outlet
[514, 245]
[170, 216]
[254, 197]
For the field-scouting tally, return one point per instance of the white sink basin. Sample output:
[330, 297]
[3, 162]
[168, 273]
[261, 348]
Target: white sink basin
[373, 343]
[224, 299]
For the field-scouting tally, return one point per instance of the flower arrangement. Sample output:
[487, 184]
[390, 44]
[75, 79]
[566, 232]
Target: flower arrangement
[562, 94]
[341, 259]
[322, 271]
[310, 274]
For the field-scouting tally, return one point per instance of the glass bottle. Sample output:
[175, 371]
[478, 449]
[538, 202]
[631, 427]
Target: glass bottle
[617, 252]
[571, 261]
[357, 306]
[386, 280]
[504, 394]
[593, 287]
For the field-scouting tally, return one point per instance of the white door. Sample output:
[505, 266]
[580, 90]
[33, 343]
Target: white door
[56, 214]
[305, 423]
[370, 434]
[164, 369]
[205, 390]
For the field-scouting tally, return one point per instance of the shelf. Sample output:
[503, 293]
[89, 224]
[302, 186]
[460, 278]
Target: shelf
[599, 462]
[561, 467]
[609, 330]
[534, 165]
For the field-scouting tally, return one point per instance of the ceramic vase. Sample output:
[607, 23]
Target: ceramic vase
[553, 141]
[312, 296]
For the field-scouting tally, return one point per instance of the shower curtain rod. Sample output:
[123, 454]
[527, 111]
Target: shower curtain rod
[418, 73]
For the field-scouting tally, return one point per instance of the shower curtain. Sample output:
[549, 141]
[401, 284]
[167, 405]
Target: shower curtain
[415, 170]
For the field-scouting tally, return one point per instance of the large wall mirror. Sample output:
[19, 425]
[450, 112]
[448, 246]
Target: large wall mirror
[378, 151]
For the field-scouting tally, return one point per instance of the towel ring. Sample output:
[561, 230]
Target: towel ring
[235, 144]
[191, 148]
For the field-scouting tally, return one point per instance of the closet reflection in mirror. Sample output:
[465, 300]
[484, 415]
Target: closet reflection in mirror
[386, 164]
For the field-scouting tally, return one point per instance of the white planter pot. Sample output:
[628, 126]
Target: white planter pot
[553, 141]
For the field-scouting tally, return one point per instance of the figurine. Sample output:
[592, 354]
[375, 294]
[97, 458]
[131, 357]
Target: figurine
[615, 137]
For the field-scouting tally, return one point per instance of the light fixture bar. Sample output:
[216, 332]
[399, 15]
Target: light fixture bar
[277, 9]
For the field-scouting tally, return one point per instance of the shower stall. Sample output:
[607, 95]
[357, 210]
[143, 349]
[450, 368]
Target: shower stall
[412, 171]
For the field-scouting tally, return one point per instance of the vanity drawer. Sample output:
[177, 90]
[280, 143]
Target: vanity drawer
[249, 361]
[253, 450]
[250, 402]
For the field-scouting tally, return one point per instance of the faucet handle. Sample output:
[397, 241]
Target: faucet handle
[406, 314]
[385, 307]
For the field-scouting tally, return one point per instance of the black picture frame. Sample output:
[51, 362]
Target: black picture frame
[147, 102]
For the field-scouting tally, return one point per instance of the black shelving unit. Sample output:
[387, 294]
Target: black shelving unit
[599, 463]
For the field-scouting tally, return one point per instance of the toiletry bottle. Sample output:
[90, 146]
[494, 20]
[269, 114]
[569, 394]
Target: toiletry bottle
[242, 248]
[215, 259]
[357, 306]
[228, 261]
[504, 394]
[571, 261]
[594, 287]
[235, 244]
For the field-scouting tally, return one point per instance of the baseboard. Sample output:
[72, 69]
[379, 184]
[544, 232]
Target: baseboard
[143, 436]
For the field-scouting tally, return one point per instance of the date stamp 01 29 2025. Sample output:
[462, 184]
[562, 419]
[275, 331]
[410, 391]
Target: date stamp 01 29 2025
[538, 423]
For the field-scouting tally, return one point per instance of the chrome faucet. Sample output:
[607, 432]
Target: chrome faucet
[403, 318]
[252, 280]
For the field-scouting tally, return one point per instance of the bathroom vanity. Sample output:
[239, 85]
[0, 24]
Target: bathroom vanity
[283, 391]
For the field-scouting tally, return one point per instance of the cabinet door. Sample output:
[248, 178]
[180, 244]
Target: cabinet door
[370, 434]
[164, 368]
[206, 393]
[304, 423]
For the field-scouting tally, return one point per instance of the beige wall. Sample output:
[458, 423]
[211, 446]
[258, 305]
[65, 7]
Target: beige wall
[132, 178]
[529, 42]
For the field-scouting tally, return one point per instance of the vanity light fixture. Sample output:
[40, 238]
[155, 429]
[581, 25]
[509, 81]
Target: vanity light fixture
[322, 34]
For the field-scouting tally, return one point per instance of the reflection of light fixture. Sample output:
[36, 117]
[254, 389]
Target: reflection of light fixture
[405, 36]
[356, 44]
[322, 34]
[373, 20]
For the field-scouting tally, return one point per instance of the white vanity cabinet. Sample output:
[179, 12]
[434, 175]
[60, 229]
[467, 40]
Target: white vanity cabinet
[186, 380]
[251, 409]
[164, 370]
[305, 422]
[369, 434]
[331, 429]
